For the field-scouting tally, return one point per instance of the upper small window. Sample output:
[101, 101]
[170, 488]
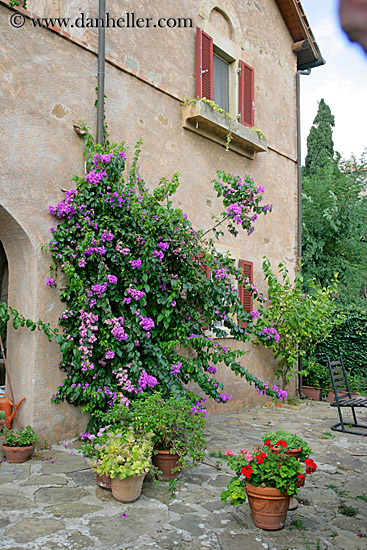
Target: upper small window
[214, 81]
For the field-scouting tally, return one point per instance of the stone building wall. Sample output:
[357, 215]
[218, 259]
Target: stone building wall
[48, 82]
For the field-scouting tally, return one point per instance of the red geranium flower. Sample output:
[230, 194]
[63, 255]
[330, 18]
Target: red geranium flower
[310, 466]
[281, 443]
[267, 442]
[246, 471]
[260, 458]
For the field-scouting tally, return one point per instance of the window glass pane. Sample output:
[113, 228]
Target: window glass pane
[220, 83]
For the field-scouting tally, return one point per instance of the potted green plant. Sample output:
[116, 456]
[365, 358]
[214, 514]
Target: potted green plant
[269, 480]
[126, 459]
[19, 445]
[292, 444]
[177, 425]
[315, 380]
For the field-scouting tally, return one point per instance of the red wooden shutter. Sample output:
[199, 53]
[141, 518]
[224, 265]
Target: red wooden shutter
[246, 95]
[204, 65]
[244, 294]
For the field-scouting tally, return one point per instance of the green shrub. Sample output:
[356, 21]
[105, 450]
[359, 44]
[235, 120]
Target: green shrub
[349, 340]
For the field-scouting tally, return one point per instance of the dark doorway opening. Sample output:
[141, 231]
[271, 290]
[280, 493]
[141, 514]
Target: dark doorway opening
[4, 270]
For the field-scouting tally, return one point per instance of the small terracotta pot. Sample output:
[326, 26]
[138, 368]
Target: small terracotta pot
[312, 393]
[166, 462]
[290, 452]
[104, 482]
[268, 506]
[17, 455]
[127, 490]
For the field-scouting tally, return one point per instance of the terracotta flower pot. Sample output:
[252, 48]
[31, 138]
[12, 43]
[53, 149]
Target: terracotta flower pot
[330, 398]
[127, 490]
[312, 393]
[104, 482]
[290, 452]
[269, 507]
[17, 455]
[166, 462]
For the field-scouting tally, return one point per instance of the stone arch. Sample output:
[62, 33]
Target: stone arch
[221, 21]
[22, 272]
[223, 8]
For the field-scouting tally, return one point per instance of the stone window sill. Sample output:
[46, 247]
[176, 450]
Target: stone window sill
[202, 119]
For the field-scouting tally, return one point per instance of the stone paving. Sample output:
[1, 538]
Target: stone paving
[52, 502]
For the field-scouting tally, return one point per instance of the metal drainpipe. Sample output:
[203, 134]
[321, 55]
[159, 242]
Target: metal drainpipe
[299, 195]
[101, 71]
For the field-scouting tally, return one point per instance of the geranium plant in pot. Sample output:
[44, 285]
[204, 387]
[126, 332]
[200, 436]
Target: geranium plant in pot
[292, 444]
[19, 444]
[126, 459]
[177, 425]
[269, 479]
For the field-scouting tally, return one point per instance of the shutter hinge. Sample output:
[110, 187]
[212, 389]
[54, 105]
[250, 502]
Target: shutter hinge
[238, 71]
[206, 70]
[253, 105]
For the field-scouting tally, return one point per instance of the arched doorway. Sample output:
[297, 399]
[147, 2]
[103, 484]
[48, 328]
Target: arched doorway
[4, 270]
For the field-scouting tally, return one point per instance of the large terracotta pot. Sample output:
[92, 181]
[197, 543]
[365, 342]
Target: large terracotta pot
[269, 507]
[166, 462]
[127, 490]
[17, 455]
[312, 393]
[104, 482]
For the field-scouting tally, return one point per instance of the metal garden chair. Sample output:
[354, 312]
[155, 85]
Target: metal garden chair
[343, 398]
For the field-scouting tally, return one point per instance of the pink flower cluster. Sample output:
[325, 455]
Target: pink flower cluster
[88, 323]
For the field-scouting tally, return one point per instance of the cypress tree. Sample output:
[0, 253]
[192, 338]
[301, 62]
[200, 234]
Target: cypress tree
[320, 145]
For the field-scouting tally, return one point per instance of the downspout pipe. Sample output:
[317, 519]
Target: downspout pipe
[299, 195]
[101, 71]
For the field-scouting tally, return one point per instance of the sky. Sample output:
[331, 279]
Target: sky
[342, 82]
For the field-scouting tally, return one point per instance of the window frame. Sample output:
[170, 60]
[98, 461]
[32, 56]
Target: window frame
[218, 44]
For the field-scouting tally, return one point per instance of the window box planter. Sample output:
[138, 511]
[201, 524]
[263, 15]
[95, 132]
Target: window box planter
[204, 120]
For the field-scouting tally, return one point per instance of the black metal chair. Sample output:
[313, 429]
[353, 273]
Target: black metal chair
[343, 398]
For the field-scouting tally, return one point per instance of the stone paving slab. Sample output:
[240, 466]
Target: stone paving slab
[52, 502]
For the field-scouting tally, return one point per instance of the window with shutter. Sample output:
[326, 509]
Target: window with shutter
[246, 94]
[244, 294]
[204, 65]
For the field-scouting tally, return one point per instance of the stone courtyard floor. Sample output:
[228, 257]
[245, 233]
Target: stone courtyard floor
[52, 502]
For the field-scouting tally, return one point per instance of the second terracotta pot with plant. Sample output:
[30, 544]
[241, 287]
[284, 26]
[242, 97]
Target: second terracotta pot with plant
[177, 425]
[166, 462]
